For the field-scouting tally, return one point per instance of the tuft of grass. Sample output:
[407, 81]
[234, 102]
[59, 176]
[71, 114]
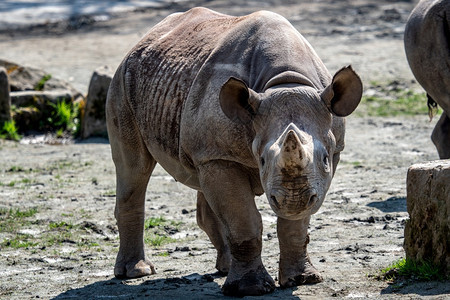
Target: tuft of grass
[157, 240]
[65, 117]
[62, 224]
[19, 241]
[409, 269]
[12, 219]
[154, 222]
[41, 83]
[155, 234]
[17, 213]
[9, 131]
[163, 254]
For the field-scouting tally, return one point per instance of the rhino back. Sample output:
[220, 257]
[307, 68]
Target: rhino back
[160, 70]
[427, 47]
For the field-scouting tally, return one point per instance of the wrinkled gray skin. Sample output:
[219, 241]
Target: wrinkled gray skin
[232, 107]
[427, 45]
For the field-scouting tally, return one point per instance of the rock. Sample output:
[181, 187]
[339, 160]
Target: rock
[38, 98]
[94, 121]
[427, 232]
[23, 78]
[5, 100]
[34, 93]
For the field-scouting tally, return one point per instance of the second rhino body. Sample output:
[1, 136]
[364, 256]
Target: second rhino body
[233, 107]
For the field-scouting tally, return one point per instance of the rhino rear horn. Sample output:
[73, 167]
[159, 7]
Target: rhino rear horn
[344, 93]
[238, 102]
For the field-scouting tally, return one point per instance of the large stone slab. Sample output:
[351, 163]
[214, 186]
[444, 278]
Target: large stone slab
[427, 232]
[94, 121]
[5, 100]
[24, 78]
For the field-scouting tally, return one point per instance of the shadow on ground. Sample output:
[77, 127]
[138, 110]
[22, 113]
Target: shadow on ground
[431, 288]
[192, 286]
[393, 204]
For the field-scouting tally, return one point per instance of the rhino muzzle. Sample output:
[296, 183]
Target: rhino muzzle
[294, 204]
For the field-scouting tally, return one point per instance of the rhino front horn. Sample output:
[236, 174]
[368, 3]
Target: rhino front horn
[293, 153]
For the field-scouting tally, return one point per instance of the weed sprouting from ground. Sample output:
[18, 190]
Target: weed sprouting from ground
[9, 131]
[409, 269]
[11, 220]
[65, 117]
[158, 230]
[154, 222]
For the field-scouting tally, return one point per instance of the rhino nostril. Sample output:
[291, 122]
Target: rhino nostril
[312, 200]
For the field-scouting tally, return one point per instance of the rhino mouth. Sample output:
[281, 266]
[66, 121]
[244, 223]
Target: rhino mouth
[292, 204]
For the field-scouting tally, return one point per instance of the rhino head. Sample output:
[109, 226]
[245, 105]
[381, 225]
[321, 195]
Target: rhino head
[293, 142]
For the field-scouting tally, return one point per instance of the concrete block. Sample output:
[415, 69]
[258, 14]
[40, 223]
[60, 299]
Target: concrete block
[427, 232]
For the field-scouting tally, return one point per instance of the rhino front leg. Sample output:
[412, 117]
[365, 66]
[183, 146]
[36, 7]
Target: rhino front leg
[295, 266]
[208, 221]
[131, 261]
[134, 165]
[228, 192]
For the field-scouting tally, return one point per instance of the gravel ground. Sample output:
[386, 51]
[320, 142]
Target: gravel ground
[66, 246]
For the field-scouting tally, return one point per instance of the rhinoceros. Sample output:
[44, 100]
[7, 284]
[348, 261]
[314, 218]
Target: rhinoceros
[427, 47]
[232, 107]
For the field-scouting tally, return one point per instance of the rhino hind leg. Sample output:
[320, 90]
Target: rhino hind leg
[208, 221]
[441, 136]
[134, 165]
[228, 191]
[295, 266]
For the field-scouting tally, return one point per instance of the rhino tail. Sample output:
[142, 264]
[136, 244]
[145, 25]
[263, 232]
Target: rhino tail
[432, 107]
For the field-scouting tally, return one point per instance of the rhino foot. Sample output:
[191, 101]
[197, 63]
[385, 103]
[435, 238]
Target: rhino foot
[223, 262]
[133, 269]
[295, 277]
[253, 283]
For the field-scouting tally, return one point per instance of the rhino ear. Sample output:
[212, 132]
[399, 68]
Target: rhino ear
[238, 102]
[344, 93]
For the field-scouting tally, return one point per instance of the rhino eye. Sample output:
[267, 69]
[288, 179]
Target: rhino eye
[326, 162]
[262, 161]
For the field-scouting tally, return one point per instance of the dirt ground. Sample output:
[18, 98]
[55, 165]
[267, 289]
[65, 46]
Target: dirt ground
[70, 188]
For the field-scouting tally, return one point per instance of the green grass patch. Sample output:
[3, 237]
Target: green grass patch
[392, 99]
[163, 254]
[154, 222]
[17, 213]
[19, 241]
[157, 240]
[156, 231]
[13, 219]
[406, 103]
[409, 269]
[9, 131]
[65, 117]
[62, 224]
